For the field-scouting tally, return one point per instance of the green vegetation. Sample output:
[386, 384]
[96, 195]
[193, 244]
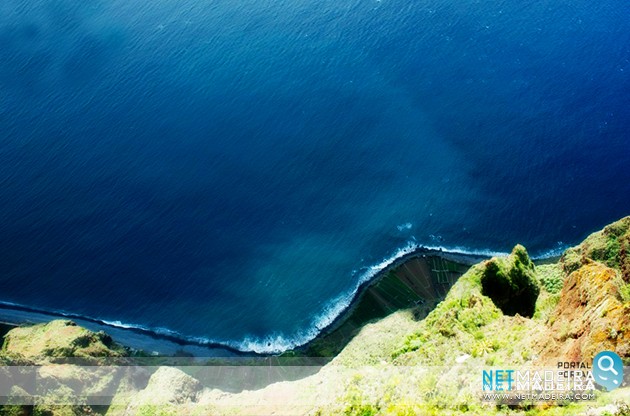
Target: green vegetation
[418, 284]
[399, 357]
[551, 277]
[545, 305]
[511, 283]
[155, 410]
[60, 339]
[461, 316]
[356, 400]
[624, 292]
[610, 246]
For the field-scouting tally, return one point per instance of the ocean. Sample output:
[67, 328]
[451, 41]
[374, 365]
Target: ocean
[231, 171]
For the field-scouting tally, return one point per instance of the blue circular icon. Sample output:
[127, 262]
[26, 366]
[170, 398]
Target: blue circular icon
[608, 370]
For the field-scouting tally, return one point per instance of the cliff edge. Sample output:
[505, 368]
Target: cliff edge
[505, 312]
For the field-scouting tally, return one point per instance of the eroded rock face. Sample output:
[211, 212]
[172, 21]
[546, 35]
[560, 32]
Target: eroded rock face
[593, 313]
[511, 283]
[591, 316]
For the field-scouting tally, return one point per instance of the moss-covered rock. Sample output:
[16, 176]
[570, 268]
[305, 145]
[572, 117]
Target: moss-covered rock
[406, 364]
[167, 386]
[59, 339]
[511, 283]
[610, 246]
[591, 316]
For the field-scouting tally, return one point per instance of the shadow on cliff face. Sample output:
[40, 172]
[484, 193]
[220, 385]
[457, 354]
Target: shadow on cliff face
[511, 283]
[419, 283]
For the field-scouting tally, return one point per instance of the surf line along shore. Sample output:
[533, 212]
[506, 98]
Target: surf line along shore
[419, 279]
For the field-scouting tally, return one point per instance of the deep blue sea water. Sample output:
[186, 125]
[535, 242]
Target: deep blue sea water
[230, 170]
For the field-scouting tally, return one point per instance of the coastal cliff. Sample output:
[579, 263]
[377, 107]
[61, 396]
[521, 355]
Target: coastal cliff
[503, 312]
[59, 339]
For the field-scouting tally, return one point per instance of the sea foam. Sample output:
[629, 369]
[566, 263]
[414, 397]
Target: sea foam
[278, 342]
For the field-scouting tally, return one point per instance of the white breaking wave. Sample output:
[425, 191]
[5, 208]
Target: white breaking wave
[158, 330]
[123, 325]
[278, 343]
[274, 344]
[554, 252]
[468, 252]
[375, 269]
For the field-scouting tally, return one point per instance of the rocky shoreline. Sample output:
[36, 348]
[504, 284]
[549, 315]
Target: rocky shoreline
[402, 363]
[354, 316]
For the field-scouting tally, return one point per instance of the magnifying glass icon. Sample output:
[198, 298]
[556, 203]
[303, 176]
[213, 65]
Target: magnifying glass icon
[606, 368]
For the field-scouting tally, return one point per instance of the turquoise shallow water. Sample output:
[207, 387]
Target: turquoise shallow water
[232, 170]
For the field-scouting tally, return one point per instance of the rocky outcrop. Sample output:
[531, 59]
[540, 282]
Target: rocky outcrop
[591, 316]
[593, 313]
[167, 387]
[503, 312]
[511, 284]
[59, 339]
[55, 342]
[610, 246]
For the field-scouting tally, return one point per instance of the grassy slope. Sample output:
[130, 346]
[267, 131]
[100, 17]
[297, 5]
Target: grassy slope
[403, 366]
[468, 326]
[390, 366]
[59, 339]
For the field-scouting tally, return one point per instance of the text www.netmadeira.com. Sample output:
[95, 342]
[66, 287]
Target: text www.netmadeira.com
[538, 396]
